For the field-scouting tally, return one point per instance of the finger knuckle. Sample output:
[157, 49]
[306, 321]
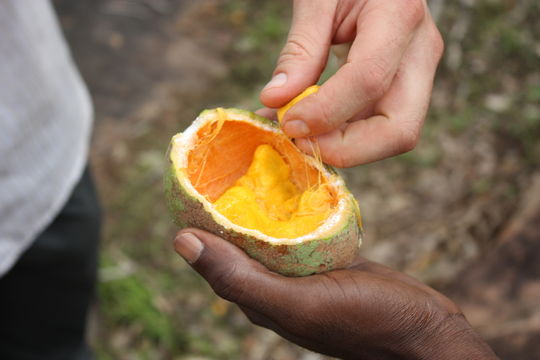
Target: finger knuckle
[413, 12]
[407, 140]
[437, 43]
[298, 47]
[374, 79]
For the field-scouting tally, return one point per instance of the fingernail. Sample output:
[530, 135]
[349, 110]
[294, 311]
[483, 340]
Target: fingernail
[188, 246]
[296, 128]
[277, 81]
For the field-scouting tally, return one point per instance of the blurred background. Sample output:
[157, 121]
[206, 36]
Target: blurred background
[461, 211]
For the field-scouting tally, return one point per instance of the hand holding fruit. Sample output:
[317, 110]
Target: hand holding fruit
[366, 311]
[375, 104]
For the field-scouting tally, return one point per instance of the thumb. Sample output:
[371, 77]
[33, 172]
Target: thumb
[304, 56]
[232, 274]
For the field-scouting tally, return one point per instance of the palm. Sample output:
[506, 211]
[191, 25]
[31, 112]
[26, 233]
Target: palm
[366, 299]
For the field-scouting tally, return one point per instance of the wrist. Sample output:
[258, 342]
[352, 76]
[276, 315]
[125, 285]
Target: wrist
[452, 339]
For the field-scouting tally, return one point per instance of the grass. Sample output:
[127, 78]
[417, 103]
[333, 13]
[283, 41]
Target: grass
[261, 33]
[129, 301]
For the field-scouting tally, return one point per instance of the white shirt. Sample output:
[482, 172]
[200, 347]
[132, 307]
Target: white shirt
[45, 122]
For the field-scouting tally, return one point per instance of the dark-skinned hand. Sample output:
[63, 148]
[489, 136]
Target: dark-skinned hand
[366, 311]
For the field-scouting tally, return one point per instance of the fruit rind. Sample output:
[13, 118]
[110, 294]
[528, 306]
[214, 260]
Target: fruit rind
[292, 257]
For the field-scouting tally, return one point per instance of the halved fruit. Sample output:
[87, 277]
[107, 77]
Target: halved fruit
[235, 174]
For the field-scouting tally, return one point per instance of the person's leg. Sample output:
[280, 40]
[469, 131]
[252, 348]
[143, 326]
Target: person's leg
[45, 297]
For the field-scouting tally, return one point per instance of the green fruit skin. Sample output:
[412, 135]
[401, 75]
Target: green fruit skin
[314, 256]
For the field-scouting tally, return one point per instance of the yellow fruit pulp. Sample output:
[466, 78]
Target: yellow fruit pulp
[267, 200]
[310, 90]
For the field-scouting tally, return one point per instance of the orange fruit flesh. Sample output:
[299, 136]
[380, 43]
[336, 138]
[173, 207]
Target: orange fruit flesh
[266, 199]
[259, 180]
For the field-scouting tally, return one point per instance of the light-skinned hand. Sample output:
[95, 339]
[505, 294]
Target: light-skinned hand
[374, 106]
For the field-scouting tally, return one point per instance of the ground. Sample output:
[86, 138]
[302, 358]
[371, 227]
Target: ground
[457, 212]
